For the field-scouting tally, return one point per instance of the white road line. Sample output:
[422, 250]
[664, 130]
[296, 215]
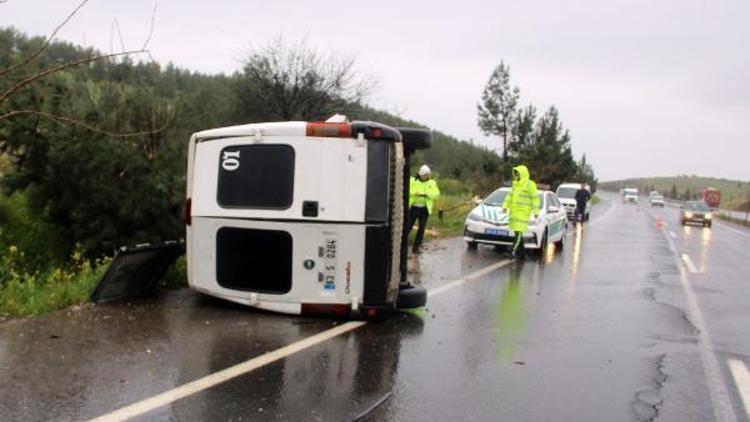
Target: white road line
[606, 214]
[671, 233]
[689, 263]
[742, 380]
[151, 403]
[722, 406]
[724, 226]
[476, 274]
[445, 287]
[185, 390]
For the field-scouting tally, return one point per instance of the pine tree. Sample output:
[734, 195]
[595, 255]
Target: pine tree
[497, 110]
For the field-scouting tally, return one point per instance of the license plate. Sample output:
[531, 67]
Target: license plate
[329, 273]
[496, 232]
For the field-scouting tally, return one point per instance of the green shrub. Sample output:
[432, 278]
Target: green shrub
[26, 293]
[38, 241]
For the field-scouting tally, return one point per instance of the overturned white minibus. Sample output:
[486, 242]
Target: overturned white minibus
[300, 217]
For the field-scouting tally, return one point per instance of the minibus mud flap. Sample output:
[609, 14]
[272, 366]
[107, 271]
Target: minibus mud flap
[135, 272]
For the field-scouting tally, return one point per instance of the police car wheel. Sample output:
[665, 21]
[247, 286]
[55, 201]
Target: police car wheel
[544, 244]
[415, 139]
[411, 296]
[471, 245]
[560, 244]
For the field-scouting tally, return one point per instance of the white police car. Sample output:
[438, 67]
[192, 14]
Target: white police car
[488, 224]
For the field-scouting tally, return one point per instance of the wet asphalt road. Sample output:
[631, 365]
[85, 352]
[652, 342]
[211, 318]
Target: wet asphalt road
[616, 327]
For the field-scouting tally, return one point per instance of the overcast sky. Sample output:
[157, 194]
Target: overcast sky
[646, 88]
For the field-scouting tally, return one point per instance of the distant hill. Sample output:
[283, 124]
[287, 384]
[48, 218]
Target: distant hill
[733, 192]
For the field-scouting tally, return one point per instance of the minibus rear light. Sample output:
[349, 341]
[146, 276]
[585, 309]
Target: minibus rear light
[331, 130]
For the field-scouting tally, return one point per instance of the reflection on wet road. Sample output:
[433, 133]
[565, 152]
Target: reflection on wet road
[597, 331]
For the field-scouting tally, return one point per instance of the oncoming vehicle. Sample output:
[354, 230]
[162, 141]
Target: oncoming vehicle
[630, 196]
[656, 201]
[300, 217]
[488, 224]
[566, 193]
[696, 212]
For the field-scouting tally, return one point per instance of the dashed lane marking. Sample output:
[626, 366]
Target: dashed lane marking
[185, 390]
[742, 380]
[671, 233]
[689, 263]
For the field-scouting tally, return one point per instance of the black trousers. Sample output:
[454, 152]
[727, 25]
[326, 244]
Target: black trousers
[519, 248]
[421, 214]
[579, 212]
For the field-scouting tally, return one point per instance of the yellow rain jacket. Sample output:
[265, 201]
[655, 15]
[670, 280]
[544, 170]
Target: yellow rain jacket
[522, 200]
[428, 188]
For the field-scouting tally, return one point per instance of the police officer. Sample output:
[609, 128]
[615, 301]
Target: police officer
[423, 191]
[520, 203]
[582, 198]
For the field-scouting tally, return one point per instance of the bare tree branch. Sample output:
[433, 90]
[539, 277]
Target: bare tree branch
[74, 122]
[29, 79]
[296, 81]
[151, 29]
[46, 42]
[115, 25]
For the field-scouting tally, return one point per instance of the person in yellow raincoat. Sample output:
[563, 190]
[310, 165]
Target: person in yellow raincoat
[423, 191]
[520, 203]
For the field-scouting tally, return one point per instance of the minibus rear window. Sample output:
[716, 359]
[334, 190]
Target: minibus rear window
[256, 176]
[254, 260]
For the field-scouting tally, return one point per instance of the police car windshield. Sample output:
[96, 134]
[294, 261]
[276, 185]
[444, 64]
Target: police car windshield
[566, 192]
[497, 197]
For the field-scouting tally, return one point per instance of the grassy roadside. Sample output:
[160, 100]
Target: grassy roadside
[25, 294]
[595, 200]
[455, 209]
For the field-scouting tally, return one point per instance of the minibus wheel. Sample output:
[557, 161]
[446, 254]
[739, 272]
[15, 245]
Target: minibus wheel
[411, 296]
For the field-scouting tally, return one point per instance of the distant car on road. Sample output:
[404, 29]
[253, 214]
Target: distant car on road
[488, 224]
[696, 212]
[630, 195]
[566, 193]
[657, 201]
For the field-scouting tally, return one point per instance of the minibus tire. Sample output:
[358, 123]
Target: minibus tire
[415, 139]
[411, 296]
